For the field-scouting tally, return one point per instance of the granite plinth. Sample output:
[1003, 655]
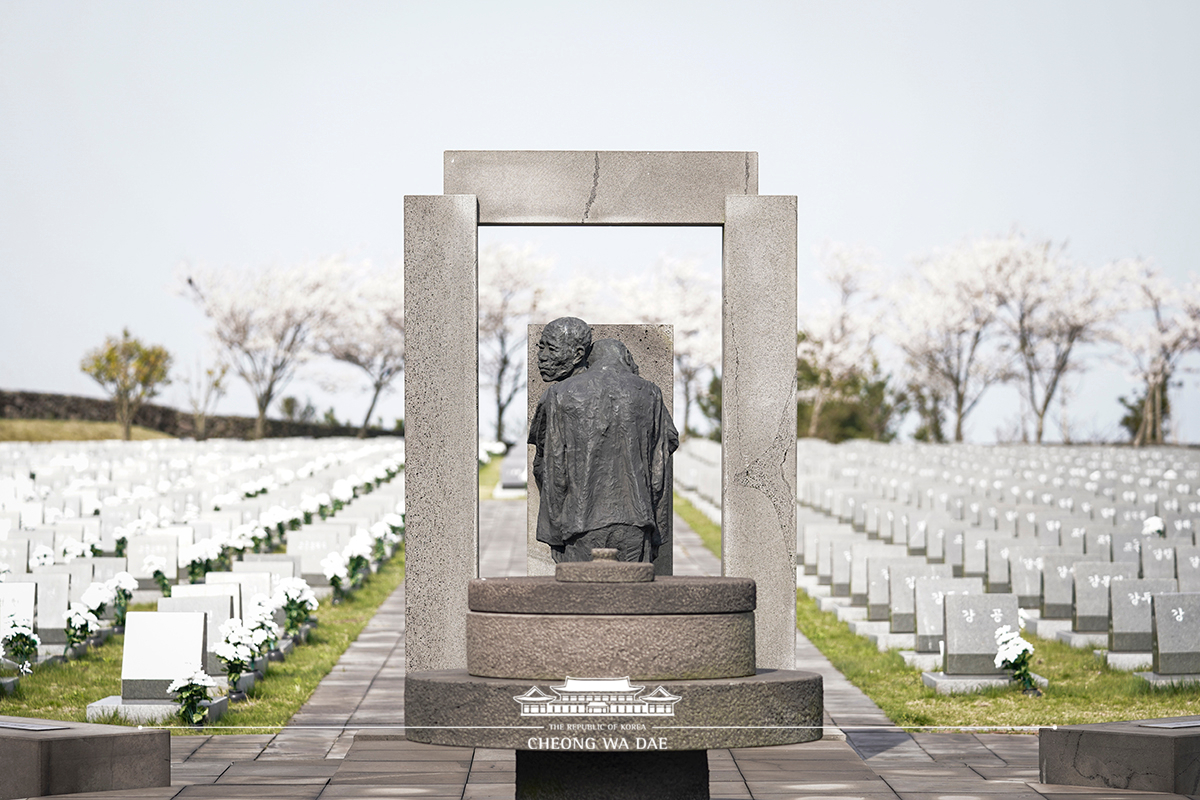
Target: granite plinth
[1127, 662]
[942, 683]
[769, 708]
[673, 775]
[647, 647]
[922, 661]
[664, 595]
[1047, 628]
[80, 757]
[1083, 639]
[1160, 679]
[148, 712]
[1123, 755]
[604, 571]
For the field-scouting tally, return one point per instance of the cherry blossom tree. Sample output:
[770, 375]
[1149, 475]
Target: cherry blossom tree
[364, 327]
[1049, 307]
[945, 321]
[512, 285]
[675, 291]
[836, 339]
[1169, 330]
[264, 319]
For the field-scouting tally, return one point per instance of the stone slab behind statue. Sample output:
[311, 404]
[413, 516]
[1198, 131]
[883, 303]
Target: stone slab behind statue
[653, 350]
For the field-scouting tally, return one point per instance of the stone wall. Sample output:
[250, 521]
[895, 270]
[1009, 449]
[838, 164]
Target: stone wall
[41, 405]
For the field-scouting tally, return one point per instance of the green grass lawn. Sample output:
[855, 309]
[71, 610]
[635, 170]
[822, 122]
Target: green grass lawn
[1082, 688]
[62, 691]
[489, 477]
[55, 430]
[708, 531]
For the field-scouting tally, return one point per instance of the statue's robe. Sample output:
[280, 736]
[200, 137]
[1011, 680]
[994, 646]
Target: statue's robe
[604, 441]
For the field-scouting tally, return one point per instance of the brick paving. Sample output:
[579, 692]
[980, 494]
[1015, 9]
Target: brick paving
[861, 756]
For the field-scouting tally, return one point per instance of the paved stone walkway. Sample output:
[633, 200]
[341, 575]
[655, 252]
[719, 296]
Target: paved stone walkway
[311, 757]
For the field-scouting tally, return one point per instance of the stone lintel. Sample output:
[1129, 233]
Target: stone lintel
[442, 420]
[758, 420]
[590, 187]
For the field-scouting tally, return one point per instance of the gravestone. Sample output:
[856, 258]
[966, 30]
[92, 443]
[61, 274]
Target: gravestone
[230, 590]
[1176, 634]
[275, 563]
[217, 610]
[104, 568]
[1127, 547]
[1092, 582]
[812, 534]
[902, 585]
[1131, 626]
[999, 578]
[1187, 566]
[251, 583]
[163, 546]
[1158, 560]
[929, 603]
[17, 600]
[312, 546]
[1025, 565]
[861, 555]
[879, 586]
[159, 648]
[971, 622]
[652, 348]
[1058, 585]
[15, 553]
[52, 602]
[81, 572]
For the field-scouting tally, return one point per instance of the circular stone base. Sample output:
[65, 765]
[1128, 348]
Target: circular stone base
[645, 648]
[664, 595]
[770, 708]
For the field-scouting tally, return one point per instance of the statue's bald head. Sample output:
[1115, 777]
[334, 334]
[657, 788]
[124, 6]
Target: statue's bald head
[563, 348]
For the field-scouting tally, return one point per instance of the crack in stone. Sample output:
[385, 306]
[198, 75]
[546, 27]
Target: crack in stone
[766, 472]
[746, 188]
[587, 209]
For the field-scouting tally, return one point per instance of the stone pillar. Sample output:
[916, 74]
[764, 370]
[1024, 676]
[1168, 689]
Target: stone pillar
[758, 421]
[653, 350]
[441, 299]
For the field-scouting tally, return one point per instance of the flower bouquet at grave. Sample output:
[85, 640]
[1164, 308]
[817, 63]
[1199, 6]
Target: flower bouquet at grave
[5, 571]
[1154, 526]
[97, 597]
[334, 567]
[155, 565]
[259, 617]
[20, 644]
[296, 599]
[200, 558]
[41, 556]
[81, 623]
[309, 506]
[1016, 654]
[357, 554]
[72, 549]
[236, 650]
[342, 493]
[123, 585]
[191, 691]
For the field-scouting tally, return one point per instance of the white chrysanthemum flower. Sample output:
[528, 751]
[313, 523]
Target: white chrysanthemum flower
[1153, 526]
[97, 595]
[334, 566]
[41, 556]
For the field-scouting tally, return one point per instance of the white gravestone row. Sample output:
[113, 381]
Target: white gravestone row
[1054, 536]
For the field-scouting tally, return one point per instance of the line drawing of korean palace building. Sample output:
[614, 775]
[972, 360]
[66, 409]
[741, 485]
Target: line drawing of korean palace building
[597, 696]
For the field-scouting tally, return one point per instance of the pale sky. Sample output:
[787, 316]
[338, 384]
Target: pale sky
[137, 135]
